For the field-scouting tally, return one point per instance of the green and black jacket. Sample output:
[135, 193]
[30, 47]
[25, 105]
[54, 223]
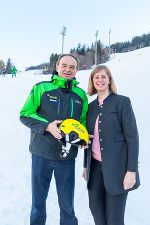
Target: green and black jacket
[57, 99]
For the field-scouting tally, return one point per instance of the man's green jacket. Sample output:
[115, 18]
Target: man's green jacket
[57, 99]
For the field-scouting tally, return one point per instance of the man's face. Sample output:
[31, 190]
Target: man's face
[67, 67]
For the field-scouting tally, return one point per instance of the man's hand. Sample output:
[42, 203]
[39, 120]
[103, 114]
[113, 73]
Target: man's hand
[89, 142]
[53, 129]
[129, 180]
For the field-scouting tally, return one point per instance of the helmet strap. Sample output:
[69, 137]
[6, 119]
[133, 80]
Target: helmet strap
[66, 150]
[75, 141]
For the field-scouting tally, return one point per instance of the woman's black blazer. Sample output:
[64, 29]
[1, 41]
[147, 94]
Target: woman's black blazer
[119, 141]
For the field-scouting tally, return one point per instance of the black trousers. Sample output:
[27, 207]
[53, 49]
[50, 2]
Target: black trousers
[107, 209]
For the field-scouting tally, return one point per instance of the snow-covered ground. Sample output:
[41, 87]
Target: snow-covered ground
[131, 72]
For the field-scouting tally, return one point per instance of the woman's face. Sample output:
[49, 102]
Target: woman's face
[101, 81]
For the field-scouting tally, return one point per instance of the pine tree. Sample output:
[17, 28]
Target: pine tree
[8, 66]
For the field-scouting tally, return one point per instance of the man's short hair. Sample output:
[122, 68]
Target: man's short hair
[62, 55]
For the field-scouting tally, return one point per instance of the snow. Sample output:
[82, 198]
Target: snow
[131, 72]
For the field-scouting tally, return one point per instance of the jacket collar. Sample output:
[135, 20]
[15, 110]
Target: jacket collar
[64, 82]
[106, 99]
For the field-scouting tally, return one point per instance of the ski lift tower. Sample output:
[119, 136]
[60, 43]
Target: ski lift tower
[63, 33]
[109, 43]
[96, 48]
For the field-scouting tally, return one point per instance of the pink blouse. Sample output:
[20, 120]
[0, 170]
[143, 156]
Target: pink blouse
[96, 153]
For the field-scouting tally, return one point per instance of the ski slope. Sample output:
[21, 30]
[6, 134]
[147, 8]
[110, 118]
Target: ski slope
[131, 72]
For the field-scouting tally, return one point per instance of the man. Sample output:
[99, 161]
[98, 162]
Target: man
[48, 104]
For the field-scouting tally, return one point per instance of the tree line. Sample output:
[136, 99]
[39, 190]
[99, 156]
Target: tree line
[86, 54]
[136, 43]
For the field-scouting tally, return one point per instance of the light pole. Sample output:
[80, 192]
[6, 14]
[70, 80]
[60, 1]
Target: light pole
[63, 33]
[109, 42]
[96, 48]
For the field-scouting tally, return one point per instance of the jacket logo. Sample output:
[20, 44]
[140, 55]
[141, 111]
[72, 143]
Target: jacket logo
[52, 98]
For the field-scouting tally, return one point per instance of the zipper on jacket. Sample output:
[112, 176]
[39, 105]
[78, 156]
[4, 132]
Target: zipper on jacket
[72, 107]
[58, 109]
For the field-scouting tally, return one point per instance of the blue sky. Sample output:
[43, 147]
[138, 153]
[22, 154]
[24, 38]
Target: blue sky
[30, 30]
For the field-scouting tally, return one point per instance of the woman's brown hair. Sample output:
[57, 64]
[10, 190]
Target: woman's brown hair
[91, 89]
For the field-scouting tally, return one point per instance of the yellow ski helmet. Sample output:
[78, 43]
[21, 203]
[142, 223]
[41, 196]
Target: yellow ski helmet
[75, 131]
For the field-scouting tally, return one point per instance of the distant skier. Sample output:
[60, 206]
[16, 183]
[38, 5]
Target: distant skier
[4, 71]
[13, 71]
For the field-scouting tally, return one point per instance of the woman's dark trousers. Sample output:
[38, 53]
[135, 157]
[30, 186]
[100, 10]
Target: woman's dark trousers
[107, 209]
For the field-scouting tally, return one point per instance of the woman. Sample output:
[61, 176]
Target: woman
[111, 160]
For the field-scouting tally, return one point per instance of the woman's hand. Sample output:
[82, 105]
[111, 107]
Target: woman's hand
[90, 137]
[129, 180]
[84, 174]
